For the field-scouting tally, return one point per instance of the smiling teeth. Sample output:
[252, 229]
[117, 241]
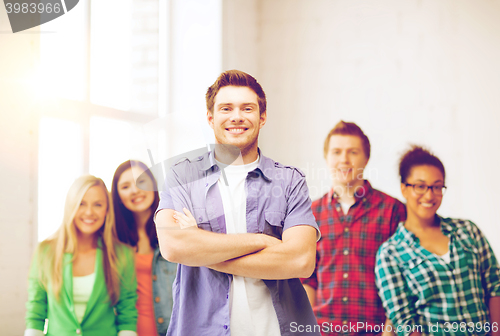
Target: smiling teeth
[138, 200]
[88, 221]
[427, 205]
[236, 129]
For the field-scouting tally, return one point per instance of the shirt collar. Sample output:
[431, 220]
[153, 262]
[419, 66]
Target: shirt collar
[99, 242]
[362, 193]
[207, 160]
[403, 234]
[446, 228]
[265, 164]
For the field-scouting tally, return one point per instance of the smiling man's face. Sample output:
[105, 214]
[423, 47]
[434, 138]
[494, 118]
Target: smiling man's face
[236, 119]
[346, 159]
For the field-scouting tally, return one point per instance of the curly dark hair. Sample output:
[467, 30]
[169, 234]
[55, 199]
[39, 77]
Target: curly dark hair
[418, 156]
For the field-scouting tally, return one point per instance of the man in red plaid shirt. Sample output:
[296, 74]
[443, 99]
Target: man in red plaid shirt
[354, 220]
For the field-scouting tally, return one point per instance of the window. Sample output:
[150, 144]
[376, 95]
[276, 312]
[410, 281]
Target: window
[122, 77]
[113, 141]
[62, 55]
[60, 163]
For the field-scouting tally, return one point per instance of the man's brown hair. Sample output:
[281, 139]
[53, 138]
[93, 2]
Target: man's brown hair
[235, 78]
[348, 128]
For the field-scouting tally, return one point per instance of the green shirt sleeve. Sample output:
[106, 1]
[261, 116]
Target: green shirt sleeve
[126, 312]
[489, 266]
[397, 299]
[36, 307]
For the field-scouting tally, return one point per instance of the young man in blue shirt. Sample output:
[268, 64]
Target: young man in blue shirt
[242, 238]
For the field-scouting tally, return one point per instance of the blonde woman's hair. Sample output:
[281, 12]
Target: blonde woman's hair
[65, 240]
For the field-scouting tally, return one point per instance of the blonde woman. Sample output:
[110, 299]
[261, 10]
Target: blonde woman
[82, 275]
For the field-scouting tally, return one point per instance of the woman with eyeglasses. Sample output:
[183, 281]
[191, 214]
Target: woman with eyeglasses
[435, 275]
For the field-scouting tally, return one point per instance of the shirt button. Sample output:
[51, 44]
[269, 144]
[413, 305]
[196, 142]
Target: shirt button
[157, 299]
[154, 277]
[160, 320]
[345, 275]
[282, 222]
[346, 229]
[78, 331]
[200, 219]
[345, 299]
[227, 296]
[225, 326]
[346, 252]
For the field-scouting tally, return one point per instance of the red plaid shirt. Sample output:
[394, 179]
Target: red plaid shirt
[344, 276]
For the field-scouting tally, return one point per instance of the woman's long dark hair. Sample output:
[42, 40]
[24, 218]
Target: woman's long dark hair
[126, 227]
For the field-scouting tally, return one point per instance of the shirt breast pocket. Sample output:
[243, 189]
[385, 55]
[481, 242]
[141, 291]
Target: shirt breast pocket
[471, 257]
[274, 222]
[200, 214]
[420, 278]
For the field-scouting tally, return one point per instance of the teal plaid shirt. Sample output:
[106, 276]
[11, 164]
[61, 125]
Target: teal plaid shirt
[422, 292]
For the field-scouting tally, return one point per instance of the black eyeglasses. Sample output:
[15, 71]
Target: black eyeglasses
[421, 189]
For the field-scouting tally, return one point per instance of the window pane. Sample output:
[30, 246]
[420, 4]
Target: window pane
[62, 55]
[60, 163]
[111, 143]
[124, 55]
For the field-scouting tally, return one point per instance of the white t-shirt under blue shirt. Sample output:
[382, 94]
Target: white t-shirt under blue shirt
[251, 309]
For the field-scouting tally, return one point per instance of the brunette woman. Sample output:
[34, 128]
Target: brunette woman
[135, 200]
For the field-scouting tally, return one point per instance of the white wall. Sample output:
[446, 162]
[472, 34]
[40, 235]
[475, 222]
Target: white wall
[240, 35]
[415, 71]
[18, 55]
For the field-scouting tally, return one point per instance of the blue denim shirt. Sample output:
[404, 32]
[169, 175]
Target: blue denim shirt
[163, 279]
[277, 199]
